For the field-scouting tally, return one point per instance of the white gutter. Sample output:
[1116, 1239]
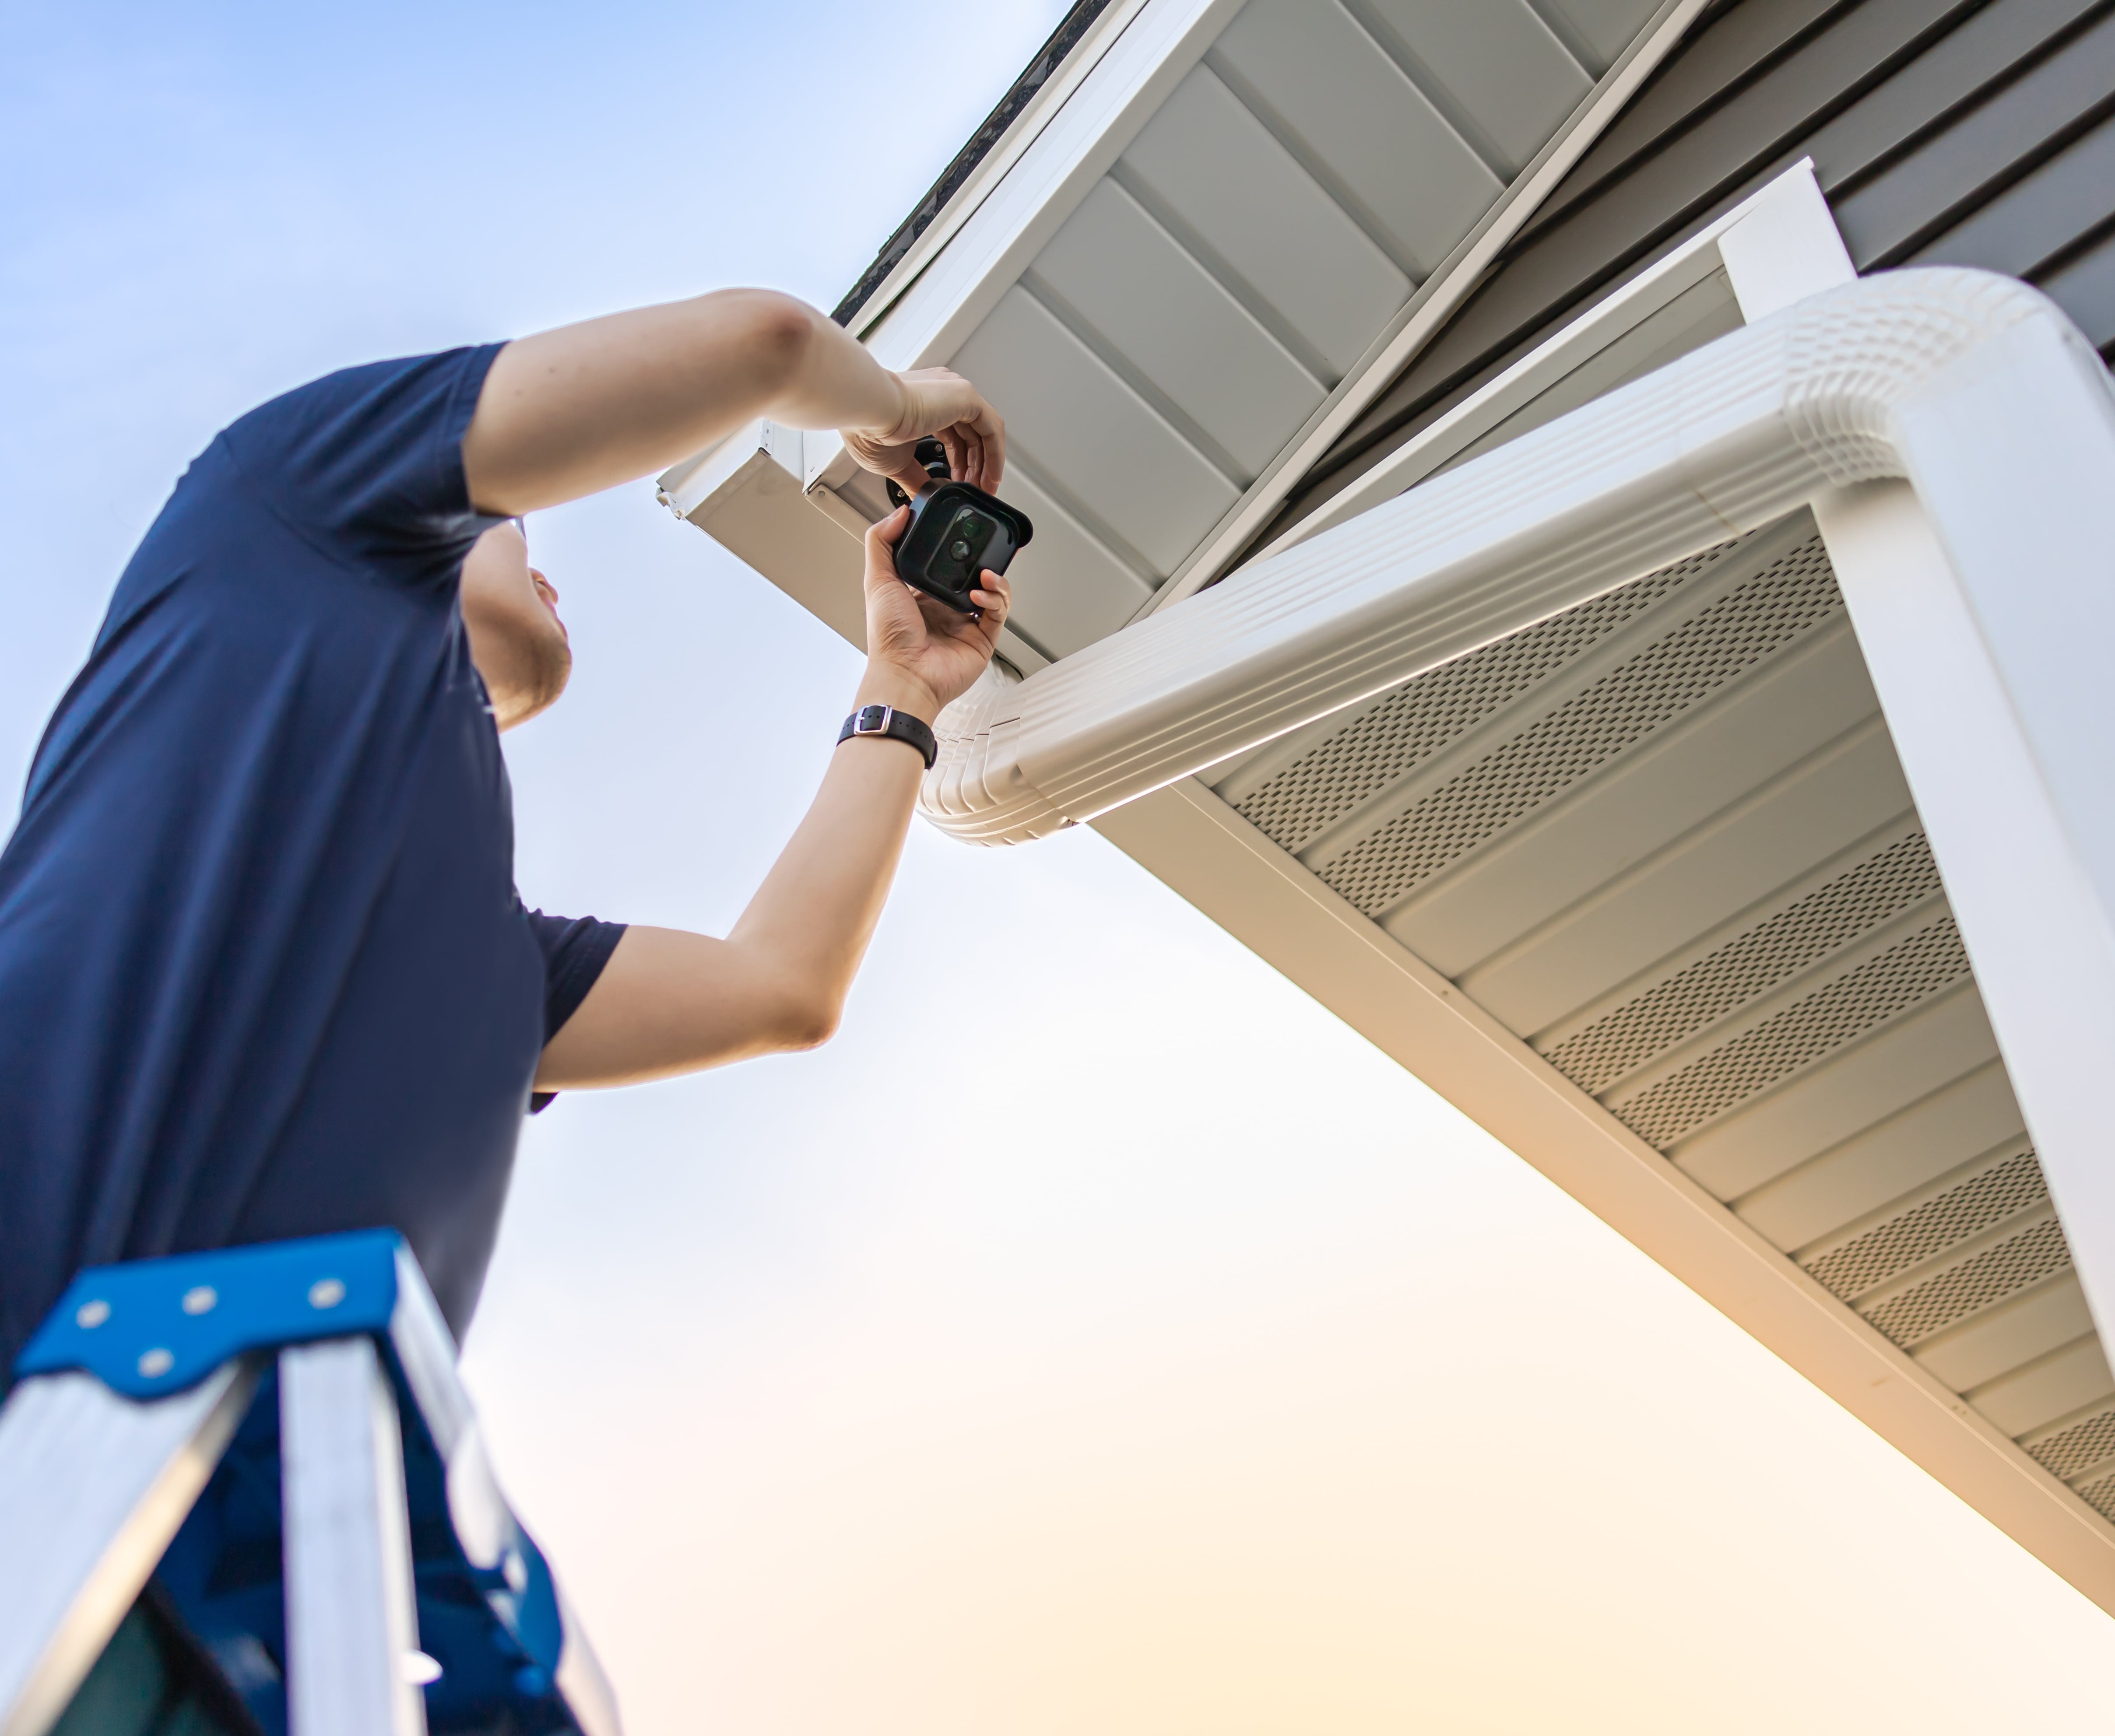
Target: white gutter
[1868, 380]
[1955, 436]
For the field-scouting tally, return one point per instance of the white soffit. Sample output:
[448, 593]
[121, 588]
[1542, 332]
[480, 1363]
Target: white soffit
[1234, 228]
[1645, 889]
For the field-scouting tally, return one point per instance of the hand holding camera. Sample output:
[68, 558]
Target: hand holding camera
[923, 654]
[956, 532]
[938, 404]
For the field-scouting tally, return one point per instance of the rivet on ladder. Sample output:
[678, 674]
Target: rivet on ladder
[90, 1315]
[201, 1299]
[156, 1363]
[326, 1293]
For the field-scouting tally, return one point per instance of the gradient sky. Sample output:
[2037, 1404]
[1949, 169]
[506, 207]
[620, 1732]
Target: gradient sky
[1098, 1336]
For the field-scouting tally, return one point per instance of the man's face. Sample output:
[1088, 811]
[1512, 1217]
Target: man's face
[516, 639]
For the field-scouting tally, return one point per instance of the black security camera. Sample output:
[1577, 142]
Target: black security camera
[956, 533]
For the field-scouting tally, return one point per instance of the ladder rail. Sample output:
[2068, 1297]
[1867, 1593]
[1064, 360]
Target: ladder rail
[93, 1486]
[143, 1441]
[351, 1616]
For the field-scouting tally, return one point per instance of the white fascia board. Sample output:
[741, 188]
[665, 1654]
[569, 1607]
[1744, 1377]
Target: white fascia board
[1044, 180]
[1099, 117]
[1027, 127]
[1192, 841]
[1955, 436]
[748, 494]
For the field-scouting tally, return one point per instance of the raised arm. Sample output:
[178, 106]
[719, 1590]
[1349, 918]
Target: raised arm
[669, 1002]
[571, 412]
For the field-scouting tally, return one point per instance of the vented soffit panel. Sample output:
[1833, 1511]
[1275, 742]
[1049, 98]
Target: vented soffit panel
[1213, 229]
[1645, 890]
[1665, 839]
[1646, 882]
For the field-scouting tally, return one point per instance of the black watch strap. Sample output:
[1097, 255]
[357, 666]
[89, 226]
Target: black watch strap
[885, 720]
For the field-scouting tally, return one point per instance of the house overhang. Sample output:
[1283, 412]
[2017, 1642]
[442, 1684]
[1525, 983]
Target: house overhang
[1954, 438]
[1950, 453]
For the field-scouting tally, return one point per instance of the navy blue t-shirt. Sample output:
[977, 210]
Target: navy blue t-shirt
[264, 972]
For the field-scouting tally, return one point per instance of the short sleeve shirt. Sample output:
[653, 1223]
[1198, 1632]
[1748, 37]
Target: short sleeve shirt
[264, 972]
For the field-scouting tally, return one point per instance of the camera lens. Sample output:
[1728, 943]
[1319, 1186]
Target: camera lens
[959, 549]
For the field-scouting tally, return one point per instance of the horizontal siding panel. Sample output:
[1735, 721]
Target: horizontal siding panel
[1555, 268]
[1710, 68]
[2084, 288]
[1981, 153]
[1918, 114]
[2073, 193]
[1991, 47]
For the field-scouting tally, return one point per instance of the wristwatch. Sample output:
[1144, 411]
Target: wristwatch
[885, 720]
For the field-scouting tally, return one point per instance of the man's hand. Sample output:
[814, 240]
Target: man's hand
[922, 656]
[936, 401]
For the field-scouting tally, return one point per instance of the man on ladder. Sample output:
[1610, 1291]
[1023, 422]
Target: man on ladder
[264, 974]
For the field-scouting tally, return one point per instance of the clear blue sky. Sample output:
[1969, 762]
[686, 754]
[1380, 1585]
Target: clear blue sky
[1097, 1335]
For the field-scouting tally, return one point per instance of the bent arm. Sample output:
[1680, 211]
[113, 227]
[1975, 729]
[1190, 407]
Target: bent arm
[570, 412]
[669, 1002]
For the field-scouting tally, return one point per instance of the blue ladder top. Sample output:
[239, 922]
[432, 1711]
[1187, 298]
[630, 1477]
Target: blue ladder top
[147, 1328]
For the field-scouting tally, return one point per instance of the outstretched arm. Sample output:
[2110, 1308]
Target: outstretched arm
[669, 1002]
[570, 412]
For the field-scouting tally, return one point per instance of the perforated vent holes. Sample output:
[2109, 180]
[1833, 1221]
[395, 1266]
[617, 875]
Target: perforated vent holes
[1422, 716]
[2079, 1447]
[1702, 655]
[2100, 1497]
[1911, 971]
[1985, 1278]
[1966, 1210]
[1830, 916]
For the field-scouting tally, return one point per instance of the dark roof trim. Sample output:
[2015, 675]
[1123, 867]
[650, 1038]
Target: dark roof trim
[1049, 58]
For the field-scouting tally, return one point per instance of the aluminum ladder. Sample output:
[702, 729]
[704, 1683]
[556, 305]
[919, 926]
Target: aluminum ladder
[271, 1444]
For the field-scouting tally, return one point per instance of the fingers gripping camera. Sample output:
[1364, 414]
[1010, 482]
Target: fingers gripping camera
[956, 533]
